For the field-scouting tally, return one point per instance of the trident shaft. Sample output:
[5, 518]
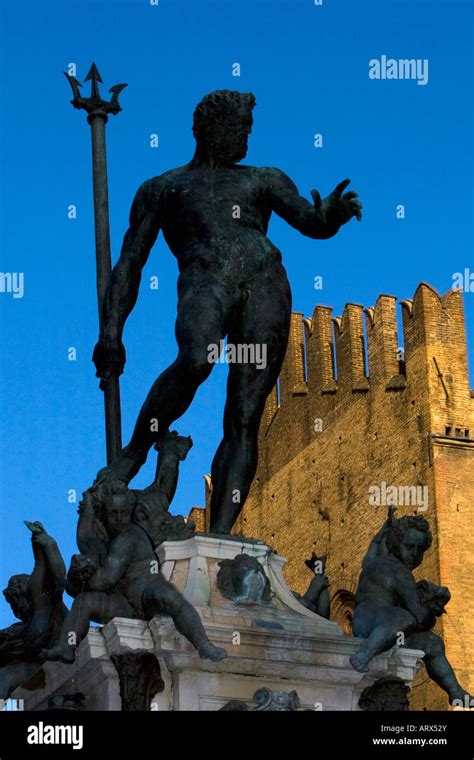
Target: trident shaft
[97, 116]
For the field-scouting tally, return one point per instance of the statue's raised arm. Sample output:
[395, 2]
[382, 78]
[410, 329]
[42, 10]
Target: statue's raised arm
[378, 547]
[320, 220]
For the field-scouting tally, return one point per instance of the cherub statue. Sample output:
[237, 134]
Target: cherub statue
[389, 601]
[36, 600]
[120, 577]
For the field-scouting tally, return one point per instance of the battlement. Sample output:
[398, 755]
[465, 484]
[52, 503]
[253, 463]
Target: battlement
[336, 357]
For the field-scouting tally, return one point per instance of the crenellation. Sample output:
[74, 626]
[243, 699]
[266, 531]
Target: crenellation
[293, 376]
[421, 319]
[320, 347]
[382, 341]
[435, 343]
[350, 349]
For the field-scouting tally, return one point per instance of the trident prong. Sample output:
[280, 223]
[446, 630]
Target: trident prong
[116, 90]
[75, 84]
[95, 104]
[94, 76]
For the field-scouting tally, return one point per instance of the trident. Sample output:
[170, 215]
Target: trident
[97, 116]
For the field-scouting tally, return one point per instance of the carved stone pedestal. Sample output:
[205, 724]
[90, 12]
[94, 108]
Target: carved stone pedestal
[280, 645]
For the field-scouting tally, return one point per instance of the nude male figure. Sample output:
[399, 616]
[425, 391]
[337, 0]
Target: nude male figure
[214, 215]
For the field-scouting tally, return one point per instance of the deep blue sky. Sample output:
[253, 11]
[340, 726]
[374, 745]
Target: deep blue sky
[308, 67]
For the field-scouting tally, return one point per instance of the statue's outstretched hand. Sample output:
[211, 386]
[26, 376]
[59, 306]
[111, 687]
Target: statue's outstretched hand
[38, 534]
[35, 527]
[342, 207]
[81, 569]
[109, 358]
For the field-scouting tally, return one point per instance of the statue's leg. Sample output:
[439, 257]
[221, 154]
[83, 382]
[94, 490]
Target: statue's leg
[380, 627]
[159, 596]
[438, 667]
[204, 307]
[263, 324]
[90, 605]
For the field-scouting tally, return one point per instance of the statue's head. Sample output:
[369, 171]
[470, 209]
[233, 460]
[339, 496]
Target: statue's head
[222, 123]
[388, 693]
[16, 594]
[155, 521]
[408, 538]
[276, 701]
[243, 580]
[114, 503]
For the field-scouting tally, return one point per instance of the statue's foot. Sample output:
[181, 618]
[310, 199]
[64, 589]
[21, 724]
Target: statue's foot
[173, 443]
[461, 698]
[209, 652]
[220, 531]
[360, 661]
[59, 653]
[124, 468]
